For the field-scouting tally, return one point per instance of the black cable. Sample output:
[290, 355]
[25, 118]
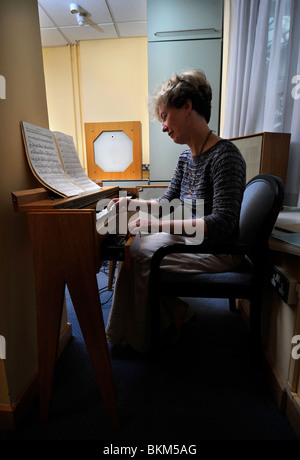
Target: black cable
[104, 270]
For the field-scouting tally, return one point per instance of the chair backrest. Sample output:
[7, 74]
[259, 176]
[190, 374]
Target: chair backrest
[262, 201]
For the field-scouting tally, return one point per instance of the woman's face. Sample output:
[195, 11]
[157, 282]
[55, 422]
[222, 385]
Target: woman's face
[174, 122]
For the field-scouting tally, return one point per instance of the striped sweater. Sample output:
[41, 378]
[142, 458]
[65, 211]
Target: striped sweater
[218, 177]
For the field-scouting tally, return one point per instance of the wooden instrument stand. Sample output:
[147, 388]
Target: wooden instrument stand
[66, 251]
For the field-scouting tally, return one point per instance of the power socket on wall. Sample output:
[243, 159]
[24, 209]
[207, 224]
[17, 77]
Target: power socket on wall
[285, 285]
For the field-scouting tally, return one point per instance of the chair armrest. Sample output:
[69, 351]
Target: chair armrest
[206, 247]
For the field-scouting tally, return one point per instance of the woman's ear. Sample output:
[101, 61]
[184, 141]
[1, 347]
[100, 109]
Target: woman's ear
[188, 106]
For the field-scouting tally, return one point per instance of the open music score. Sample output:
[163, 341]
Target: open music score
[68, 250]
[54, 161]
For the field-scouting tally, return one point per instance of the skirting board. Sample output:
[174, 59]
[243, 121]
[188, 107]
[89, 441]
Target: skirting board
[275, 384]
[287, 402]
[293, 411]
[12, 414]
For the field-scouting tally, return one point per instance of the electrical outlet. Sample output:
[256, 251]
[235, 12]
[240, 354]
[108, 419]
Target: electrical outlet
[285, 285]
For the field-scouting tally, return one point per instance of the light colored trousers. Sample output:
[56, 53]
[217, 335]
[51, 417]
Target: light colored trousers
[129, 319]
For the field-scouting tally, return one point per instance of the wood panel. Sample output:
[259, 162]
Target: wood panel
[265, 153]
[275, 154]
[34, 199]
[133, 130]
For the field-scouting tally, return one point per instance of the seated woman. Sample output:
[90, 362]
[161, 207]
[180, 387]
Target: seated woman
[212, 170]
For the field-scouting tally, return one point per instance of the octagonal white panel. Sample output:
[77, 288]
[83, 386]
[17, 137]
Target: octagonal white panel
[113, 151]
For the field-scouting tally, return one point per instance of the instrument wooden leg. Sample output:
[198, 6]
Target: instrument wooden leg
[64, 252]
[49, 310]
[88, 310]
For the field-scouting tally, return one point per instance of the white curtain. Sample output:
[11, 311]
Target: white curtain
[263, 76]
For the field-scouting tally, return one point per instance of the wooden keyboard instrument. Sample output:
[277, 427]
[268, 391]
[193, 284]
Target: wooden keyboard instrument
[66, 250]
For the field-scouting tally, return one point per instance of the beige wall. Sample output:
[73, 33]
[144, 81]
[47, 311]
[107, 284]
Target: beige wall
[97, 81]
[21, 65]
[59, 88]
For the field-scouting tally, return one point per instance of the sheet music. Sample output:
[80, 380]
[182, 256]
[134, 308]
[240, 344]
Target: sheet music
[72, 163]
[45, 162]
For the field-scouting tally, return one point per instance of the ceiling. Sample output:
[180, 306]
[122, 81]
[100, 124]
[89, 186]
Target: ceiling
[103, 19]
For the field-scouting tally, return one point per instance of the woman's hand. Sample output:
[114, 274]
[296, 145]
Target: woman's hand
[121, 204]
[139, 224]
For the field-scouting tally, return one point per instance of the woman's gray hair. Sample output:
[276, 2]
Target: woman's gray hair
[190, 85]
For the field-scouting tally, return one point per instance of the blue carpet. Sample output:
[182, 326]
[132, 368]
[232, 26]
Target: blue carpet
[203, 388]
